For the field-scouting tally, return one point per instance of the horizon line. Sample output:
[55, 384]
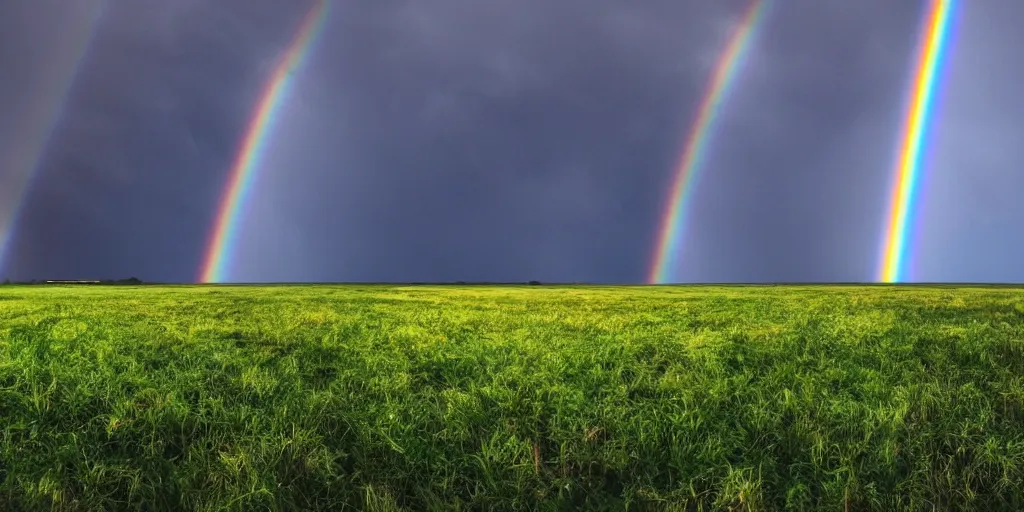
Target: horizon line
[522, 283]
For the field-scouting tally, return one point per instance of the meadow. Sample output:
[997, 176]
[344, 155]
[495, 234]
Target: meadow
[387, 398]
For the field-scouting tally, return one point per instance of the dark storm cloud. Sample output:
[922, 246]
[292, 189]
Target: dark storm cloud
[467, 140]
[506, 141]
[516, 141]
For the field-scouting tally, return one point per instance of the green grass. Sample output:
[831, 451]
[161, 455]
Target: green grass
[511, 398]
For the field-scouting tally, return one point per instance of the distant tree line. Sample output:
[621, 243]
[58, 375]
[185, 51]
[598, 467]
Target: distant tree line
[485, 283]
[137, 281]
[128, 281]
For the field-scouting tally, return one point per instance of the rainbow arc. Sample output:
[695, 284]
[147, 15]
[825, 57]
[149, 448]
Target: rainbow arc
[220, 247]
[673, 218]
[25, 162]
[931, 51]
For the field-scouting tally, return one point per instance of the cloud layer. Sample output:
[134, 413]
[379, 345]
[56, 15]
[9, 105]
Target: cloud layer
[468, 140]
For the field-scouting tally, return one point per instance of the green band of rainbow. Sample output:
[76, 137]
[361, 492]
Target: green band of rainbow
[222, 240]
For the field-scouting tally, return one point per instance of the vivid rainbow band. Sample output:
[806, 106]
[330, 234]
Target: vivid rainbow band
[673, 218]
[930, 54]
[220, 246]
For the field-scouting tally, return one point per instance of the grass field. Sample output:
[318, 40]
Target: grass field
[511, 398]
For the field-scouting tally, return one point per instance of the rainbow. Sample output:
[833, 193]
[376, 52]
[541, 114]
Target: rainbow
[672, 218]
[15, 187]
[222, 239]
[931, 51]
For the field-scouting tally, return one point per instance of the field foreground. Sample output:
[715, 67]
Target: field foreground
[511, 398]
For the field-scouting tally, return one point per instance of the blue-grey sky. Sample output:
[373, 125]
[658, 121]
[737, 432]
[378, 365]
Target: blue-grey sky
[444, 140]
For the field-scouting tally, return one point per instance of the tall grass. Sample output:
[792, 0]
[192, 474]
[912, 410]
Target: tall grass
[506, 398]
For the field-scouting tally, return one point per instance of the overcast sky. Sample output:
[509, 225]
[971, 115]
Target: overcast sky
[427, 140]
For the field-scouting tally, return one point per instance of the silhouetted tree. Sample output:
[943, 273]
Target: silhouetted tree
[534, 283]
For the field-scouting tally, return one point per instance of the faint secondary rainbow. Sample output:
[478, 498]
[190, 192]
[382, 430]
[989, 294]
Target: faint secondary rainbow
[673, 218]
[931, 51]
[25, 162]
[222, 240]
